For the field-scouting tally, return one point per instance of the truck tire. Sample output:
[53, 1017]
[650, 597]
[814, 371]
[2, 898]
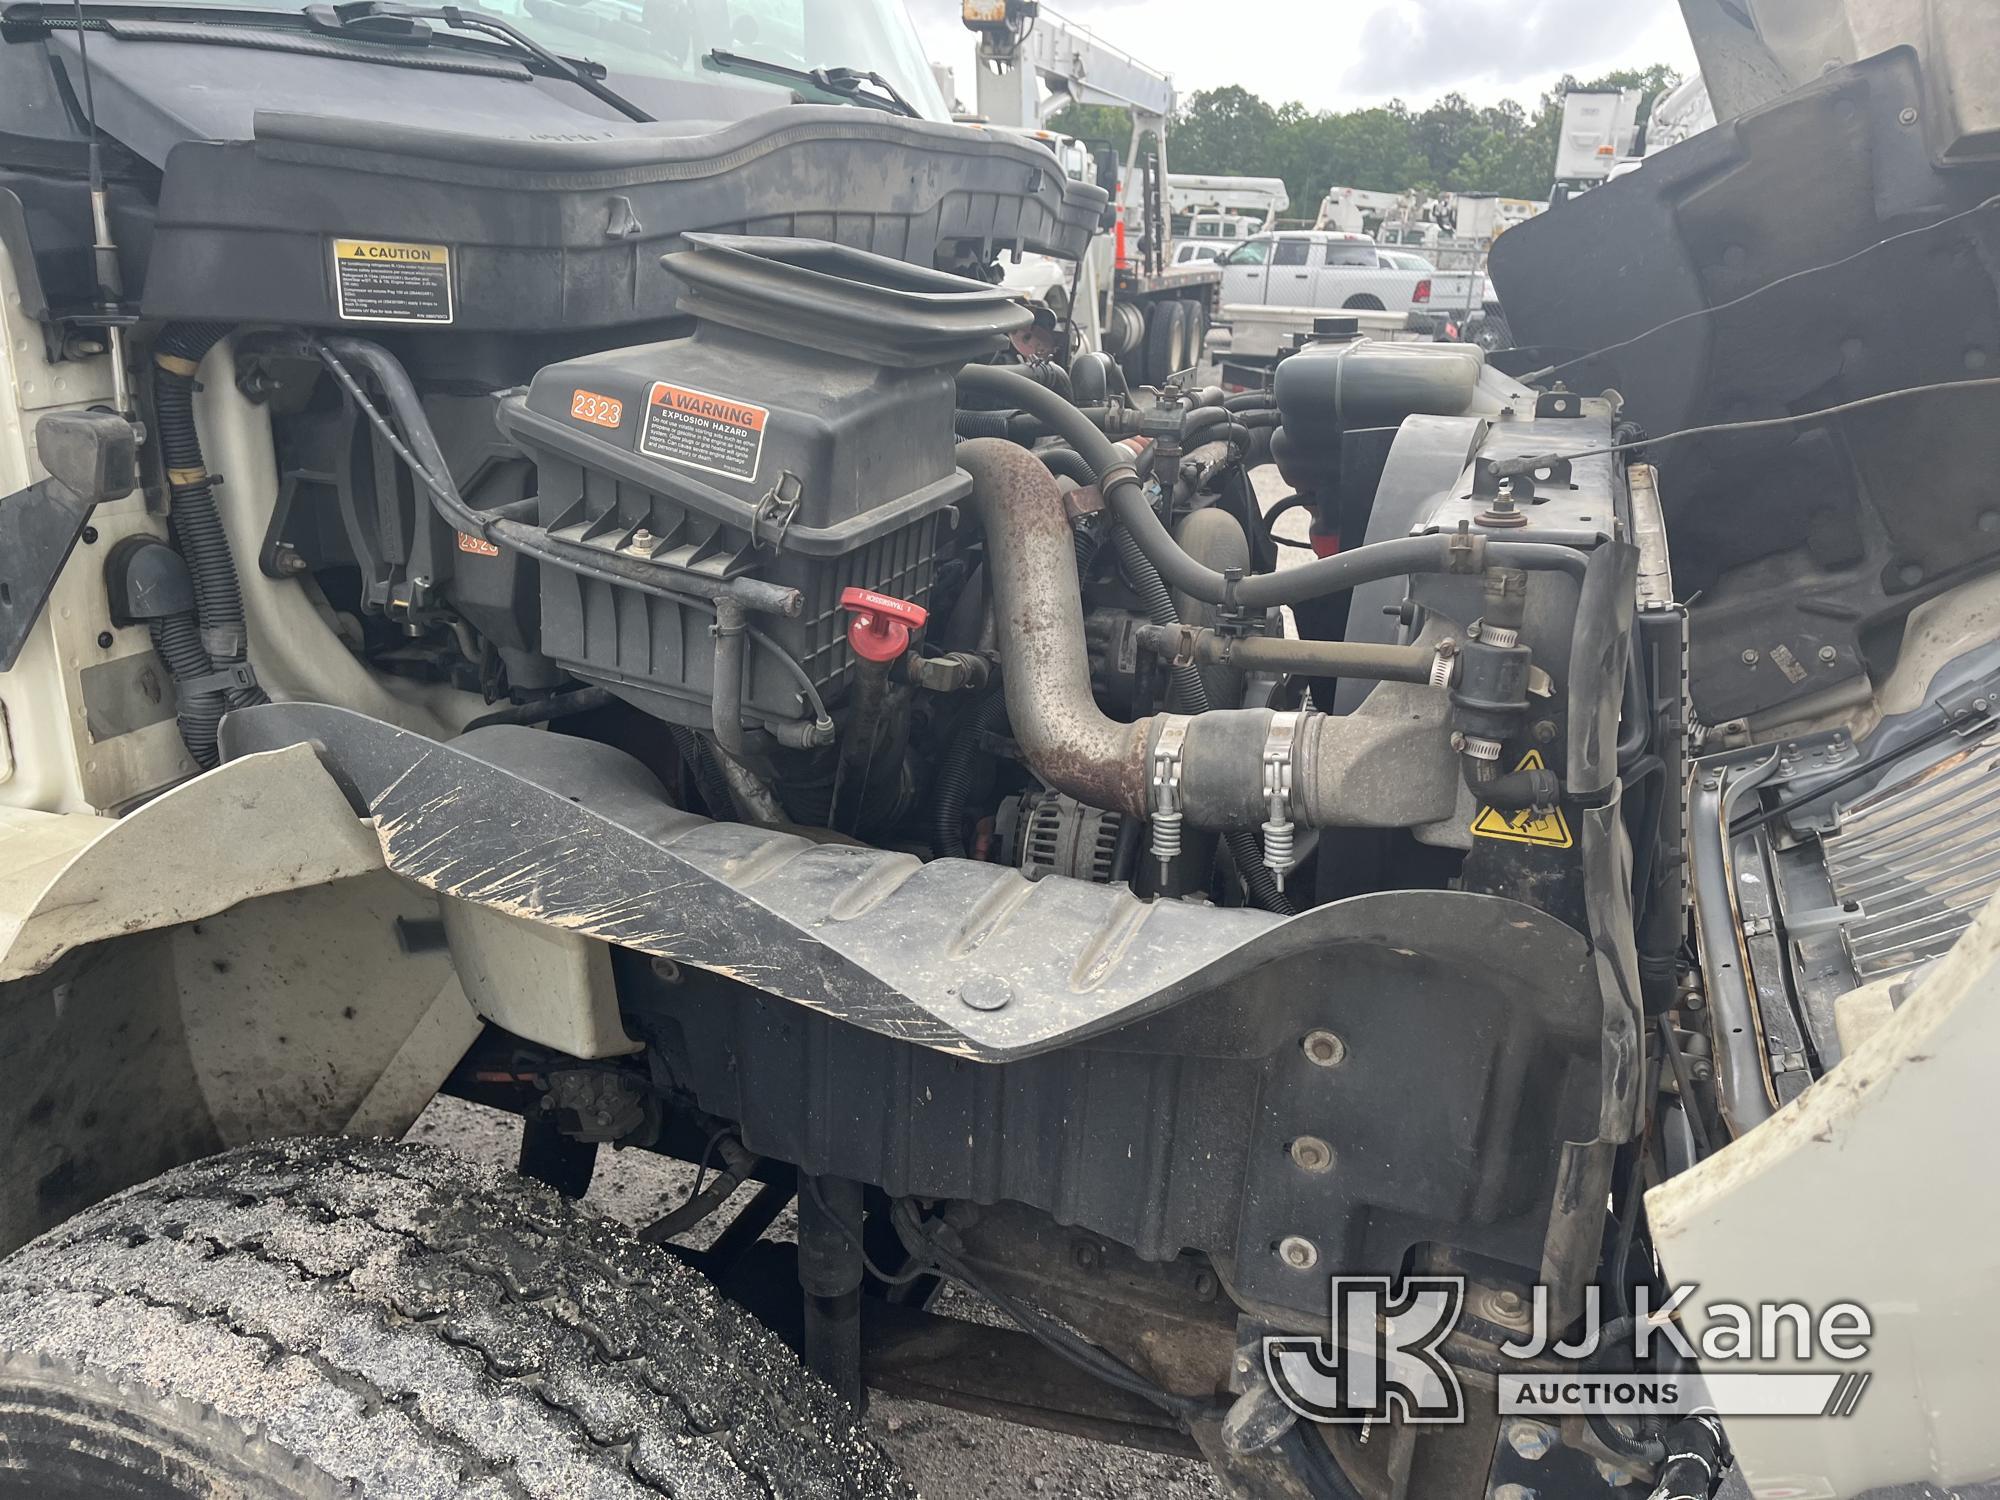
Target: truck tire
[1489, 331]
[1363, 302]
[364, 1319]
[1166, 341]
[1197, 322]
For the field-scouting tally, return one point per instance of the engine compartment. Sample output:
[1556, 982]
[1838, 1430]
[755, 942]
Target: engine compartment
[948, 780]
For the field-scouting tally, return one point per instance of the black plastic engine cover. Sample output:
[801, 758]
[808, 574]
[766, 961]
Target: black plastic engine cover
[564, 235]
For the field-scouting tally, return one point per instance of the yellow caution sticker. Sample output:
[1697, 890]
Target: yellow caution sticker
[387, 281]
[1546, 828]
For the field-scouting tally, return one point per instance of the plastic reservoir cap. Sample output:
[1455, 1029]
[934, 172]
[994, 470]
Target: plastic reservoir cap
[881, 627]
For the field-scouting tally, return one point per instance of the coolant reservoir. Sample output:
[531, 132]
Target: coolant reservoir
[1334, 386]
[1366, 384]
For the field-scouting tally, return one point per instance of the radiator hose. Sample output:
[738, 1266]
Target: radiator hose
[1375, 563]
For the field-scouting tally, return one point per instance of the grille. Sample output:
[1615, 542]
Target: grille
[1921, 858]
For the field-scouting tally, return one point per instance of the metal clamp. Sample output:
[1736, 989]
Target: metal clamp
[1280, 746]
[776, 510]
[1166, 788]
[1444, 667]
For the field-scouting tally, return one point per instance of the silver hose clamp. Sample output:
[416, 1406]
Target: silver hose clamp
[1444, 666]
[1280, 748]
[1166, 788]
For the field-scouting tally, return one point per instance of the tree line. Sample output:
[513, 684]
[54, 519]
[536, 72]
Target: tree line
[1453, 145]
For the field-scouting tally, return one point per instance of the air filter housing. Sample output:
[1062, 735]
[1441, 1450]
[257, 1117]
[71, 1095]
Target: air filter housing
[801, 435]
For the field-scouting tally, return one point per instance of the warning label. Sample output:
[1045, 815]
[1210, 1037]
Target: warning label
[1544, 827]
[704, 431]
[379, 281]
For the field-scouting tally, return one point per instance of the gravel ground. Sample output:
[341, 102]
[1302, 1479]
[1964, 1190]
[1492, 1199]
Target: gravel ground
[948, 1454]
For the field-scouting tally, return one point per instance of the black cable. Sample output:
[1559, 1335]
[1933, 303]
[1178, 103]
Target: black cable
[516, 536]
[1764, 424]
[1709, 312]
[915, 1271]
[545, 710]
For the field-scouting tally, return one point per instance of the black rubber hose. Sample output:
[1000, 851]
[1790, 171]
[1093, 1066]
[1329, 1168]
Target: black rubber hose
[954, 781]
[1201, 419]
[1052, 375]
[1068, 464]
[197, 525]
[1251, 401]
[709, 780]
[425, 459]
[1189, 695]
[1086, 552]
[178, 640]
[1375, 563]
[546, 710]
[975, 424]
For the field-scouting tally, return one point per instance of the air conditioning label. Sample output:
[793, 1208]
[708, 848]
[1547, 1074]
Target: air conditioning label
[704, 431]
[383, 281]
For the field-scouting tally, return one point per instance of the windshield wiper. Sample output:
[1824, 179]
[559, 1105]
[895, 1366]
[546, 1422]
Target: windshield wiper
[835, 85]
[379, 20]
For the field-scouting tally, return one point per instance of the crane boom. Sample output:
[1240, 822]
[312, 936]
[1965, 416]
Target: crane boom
[1022, 45]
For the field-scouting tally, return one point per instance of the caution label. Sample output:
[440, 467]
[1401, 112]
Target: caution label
[1546, 828]
[381, 281]
[704, 431]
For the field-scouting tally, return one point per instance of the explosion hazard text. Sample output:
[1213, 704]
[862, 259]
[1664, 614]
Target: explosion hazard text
[704, 431]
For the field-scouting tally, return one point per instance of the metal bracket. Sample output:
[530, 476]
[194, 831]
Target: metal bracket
[776, 510]
[1521, 475]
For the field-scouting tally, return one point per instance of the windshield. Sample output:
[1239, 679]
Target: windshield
[668, 39]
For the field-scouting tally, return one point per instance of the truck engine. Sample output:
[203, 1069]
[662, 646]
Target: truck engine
[648, 633]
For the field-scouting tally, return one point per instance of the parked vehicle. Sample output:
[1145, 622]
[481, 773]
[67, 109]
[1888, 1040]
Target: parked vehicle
[1129, 296]
[1323, 269]
[1200, 252]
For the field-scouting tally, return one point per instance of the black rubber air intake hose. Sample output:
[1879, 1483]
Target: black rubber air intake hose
[197, 525]
[1374, 563]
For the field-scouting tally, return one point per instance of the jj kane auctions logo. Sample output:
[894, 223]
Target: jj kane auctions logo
[1383, 1358]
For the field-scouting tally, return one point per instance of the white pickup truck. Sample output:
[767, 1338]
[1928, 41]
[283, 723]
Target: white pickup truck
[1329, 271]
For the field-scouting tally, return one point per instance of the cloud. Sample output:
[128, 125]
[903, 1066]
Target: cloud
[1421, 46]
[1341, 54]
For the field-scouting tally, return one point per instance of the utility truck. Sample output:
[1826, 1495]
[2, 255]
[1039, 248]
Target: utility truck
[1130, 296]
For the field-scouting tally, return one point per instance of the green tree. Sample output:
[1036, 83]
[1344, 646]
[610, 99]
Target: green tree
[1452, 144]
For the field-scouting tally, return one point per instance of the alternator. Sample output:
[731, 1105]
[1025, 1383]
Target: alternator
[1046, 833]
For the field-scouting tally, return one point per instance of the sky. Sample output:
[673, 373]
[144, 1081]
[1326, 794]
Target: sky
[1341, 54]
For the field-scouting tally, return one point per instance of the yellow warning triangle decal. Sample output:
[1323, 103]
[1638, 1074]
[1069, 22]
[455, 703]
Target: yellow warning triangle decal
[1544, 828]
